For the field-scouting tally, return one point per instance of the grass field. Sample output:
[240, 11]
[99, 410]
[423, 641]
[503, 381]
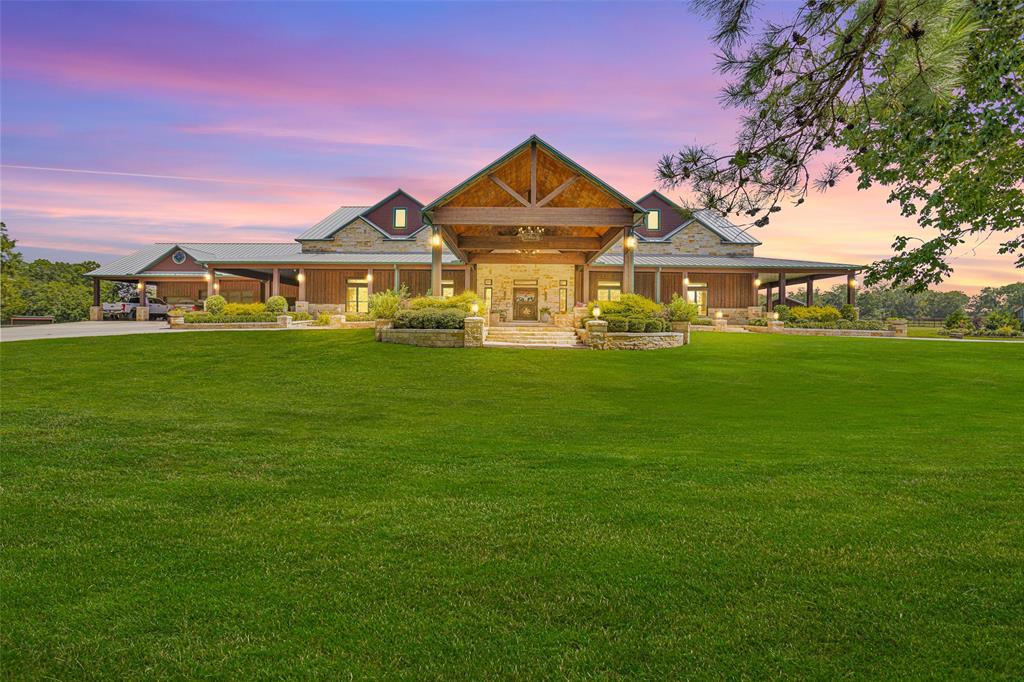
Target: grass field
[301, 504]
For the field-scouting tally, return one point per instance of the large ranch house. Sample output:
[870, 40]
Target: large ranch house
[534, 230]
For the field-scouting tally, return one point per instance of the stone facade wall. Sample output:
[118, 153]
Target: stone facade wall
[360, 237]
[693, 239]
[548, 277]
[431, 338]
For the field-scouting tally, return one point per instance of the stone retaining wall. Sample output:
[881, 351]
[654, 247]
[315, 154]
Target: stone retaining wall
[431, 338]
[598, 337]
[800, 331]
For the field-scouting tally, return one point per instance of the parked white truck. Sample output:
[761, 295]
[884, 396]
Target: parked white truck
[125, 310]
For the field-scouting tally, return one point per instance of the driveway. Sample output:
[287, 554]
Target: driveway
[66, 330]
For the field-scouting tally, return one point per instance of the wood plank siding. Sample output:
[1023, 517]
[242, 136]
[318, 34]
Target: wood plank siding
[416, 281]
[383, 279]
[328, 286]
[181, 292]
[457, 276]
[671, 283]
[240, 290]
[643, 283]
[728, 289]
[598, 276]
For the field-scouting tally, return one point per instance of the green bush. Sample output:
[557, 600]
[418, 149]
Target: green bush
[215, 318]
[655, 325]
[177, 312]
[277, 304]
[430, 318]
[323, 319]
[704, 321]
[783, 312]
[758, 322]
[384, 305]
[244, 309]
[636, 324]
[958, 320]
[848, 312]
[821, 314]
[681, 310]
[1000, 318]
[215, 304]
[617, 323]
[298, 316]
[463, 302]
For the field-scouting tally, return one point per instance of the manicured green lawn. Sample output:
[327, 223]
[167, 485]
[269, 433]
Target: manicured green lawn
[269, 504]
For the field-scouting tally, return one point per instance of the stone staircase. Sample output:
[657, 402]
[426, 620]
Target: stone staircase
[532, 335]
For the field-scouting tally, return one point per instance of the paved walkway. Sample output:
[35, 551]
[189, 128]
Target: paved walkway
[66, 330]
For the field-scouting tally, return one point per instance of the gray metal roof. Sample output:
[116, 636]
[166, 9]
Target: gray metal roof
[332, 223]
[723, 227]
[256, 253]
[725, 262]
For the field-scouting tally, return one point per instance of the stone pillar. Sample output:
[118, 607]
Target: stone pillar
[436, 244]
[96, 313]
[302, 286]
[627, 260]
[474, 337]
[775, 326]
[301, 306]
[142, 313]
[898, 326]
[284, 320]
[720, 324]
[597, 331]
[378, 328]
[276, 282]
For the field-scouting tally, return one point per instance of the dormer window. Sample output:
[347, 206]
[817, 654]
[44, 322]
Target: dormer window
[401, 218]
[654, 219]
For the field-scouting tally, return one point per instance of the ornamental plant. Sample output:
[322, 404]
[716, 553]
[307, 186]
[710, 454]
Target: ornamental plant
[277, 304]
[958, 320]
[384, 305]
[681, 310]
[215, 304]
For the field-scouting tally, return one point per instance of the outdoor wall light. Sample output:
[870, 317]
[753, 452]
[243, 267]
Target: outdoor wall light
[475, 308]
[757, 281]
[301, 277]
[852, 282]
[630, 243]
[369, 277]
[208, 277]
[435, 240]
[596, 312]
[686, 281]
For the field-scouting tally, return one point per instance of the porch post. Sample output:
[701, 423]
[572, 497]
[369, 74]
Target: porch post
[396, 278]
[435, 261]
[769, 303]
[851, 288]
[211, 282]
[95, 291]
[277, 282]
[369, 281]
[657, 285]
[782, 288]
[628, 249]
[142, 293]
[302, 284]
[810, 291]
[586, 283]
[686, 285]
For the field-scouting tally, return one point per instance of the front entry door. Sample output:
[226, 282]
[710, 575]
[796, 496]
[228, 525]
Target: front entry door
[524, 304]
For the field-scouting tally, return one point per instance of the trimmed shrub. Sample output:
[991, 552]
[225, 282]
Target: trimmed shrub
[430, 318]
[848, 312]
[462, 301]
[299, 316]
[617, 323]
[384, 305]
[636, 324]
[323, 319]
[783, 312]
[177, 312]
[758, 322]
[214, 318]
[820, 314]
[277, 304]
[958, 320]
[244, 309]
[704, 321]
[653, 326]
[215, 304]
[681, 310]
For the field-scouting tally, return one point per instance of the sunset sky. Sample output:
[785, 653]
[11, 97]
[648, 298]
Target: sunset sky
[125, 124]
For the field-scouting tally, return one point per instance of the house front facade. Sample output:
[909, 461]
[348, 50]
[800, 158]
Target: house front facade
[534, 234]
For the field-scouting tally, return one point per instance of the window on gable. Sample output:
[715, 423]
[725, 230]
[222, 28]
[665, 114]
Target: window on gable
[654, 219]
[400, 218]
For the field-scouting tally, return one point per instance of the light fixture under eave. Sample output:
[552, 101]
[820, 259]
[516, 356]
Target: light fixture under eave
[369, 277]
[852, 282]
[435, 240]
[757, 281]
[630, 243]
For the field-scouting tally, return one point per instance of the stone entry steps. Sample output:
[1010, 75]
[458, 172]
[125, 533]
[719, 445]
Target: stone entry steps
[531, 335]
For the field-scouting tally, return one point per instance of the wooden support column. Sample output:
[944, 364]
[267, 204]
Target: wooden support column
[782, 288]
[533, 173]
[851, 288]
[369, 281]
[770, 303]
[586, 283]
[657, 285]
[435, 261]
[686, 286]
[302, 284]
[95, 291]
[628, 253]
[397, 285]
[211, 282]
[810, 292]
[143, 299]
[277, 282]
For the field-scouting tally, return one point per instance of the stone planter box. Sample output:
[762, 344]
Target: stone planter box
[801, 331]
[282, 322]
[430, 338]
[598, 337]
